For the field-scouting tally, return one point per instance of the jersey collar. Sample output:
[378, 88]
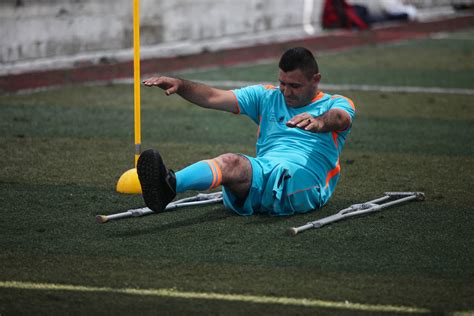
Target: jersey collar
[318, 97]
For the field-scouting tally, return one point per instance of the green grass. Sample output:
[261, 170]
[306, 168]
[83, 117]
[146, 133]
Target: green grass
[63, 151]
[445, 62]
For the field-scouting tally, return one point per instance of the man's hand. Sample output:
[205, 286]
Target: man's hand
[333, 120]
[307, 122]
[170, 85]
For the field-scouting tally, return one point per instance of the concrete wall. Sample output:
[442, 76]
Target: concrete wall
[35, 35]
[36, 29]
[32, 30]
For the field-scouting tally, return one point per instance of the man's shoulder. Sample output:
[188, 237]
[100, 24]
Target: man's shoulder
[340, 99]
[266, 92]
[259, 89]
[264, 88]
[269, 87]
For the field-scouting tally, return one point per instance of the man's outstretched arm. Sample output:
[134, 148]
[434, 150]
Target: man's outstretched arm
[197, 93]
[332, 120]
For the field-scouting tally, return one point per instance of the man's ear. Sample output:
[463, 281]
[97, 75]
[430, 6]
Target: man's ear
[317, 77]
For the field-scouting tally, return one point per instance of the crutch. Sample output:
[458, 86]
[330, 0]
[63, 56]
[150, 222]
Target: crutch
[200, 199]
[390, 198]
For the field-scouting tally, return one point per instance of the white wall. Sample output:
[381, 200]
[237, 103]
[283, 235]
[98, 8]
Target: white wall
[38, 34]
[40, 30]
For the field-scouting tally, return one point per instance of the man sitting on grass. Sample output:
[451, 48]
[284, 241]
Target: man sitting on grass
[301, 133]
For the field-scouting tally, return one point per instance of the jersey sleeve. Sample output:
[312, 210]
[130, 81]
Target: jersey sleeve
[344, 103]
[249, 101]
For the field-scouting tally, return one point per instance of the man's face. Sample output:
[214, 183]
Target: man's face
[297, 89]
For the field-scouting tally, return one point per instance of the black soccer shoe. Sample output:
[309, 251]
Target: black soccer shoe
[158, 183]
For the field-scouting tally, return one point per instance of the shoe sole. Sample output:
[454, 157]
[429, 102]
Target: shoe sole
[151, 172]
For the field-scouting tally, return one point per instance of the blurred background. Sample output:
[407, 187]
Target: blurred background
[53, 34]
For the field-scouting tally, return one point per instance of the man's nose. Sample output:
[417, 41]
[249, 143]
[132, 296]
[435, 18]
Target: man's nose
[286, 91]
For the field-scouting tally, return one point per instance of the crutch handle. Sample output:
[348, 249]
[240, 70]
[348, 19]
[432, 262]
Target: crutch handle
[420, 196]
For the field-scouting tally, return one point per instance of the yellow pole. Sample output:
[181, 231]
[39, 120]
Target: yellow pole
[136, 76]
[128, 182]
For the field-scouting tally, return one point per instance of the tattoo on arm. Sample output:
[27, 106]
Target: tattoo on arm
[333, 120]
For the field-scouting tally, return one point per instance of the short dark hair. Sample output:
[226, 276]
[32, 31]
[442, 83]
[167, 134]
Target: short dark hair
[299, 58]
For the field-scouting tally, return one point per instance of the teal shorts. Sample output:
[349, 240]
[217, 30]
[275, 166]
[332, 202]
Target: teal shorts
[278, 188]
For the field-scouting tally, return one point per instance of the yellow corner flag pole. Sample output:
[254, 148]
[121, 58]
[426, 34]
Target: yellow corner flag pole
[136, 76]
[128, 182]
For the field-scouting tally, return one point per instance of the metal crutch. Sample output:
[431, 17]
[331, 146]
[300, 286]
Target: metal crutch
[200, 199]
[360, 209]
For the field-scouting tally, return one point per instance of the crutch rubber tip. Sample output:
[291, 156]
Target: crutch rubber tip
[292, 231]
[101, 219]
[420, 196]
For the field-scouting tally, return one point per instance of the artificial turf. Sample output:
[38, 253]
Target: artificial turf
[444, 61]
[63, 151]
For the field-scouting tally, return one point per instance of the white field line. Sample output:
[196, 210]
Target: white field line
[237, 84]
[173, 293]
[354, 87]
[451, 36]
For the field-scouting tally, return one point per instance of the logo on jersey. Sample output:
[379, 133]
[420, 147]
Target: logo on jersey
[274, 118]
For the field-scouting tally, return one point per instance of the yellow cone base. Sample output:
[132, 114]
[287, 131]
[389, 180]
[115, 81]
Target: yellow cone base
[129, 183]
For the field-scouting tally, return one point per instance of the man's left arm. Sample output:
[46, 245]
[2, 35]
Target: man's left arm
[331, 121]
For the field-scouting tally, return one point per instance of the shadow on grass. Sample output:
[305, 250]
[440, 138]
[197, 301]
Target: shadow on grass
[266, 219]
[211, 216]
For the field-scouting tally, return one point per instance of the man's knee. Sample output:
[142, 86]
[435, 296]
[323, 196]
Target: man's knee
[235, 168]
[229, 161]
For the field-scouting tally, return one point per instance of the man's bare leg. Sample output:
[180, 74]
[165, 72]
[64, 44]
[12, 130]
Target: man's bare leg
[160, 185]
[236, 174]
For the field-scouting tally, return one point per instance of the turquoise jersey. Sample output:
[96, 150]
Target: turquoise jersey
[316, 152]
